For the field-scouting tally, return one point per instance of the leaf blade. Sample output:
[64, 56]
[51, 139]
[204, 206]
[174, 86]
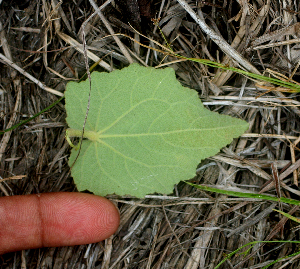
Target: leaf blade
[151, 131]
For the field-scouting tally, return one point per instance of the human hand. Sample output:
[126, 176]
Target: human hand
[55, 219]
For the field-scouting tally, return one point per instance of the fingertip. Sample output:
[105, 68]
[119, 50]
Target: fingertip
[81, 218]
[55, 219]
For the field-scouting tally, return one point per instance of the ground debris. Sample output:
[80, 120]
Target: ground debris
[189, 228]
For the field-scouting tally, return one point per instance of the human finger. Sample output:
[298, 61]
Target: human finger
[55, 219]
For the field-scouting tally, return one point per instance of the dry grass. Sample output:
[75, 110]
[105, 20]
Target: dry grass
[189, 228]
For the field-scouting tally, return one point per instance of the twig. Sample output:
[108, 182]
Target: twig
[252, 221]
[13, 178]
[33, 79]
[276, 44]
[79, 47]
[6, 136]
[289, 137]
[290, 30]
[290, 170]
[220, 41]
[111, 31]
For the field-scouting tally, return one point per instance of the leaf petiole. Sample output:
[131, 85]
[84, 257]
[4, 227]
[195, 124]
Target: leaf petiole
[76, 147]
[91, 135]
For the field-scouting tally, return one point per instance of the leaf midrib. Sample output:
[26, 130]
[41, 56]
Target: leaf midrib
[163, 133]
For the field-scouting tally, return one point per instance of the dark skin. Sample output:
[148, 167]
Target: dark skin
[54, 220]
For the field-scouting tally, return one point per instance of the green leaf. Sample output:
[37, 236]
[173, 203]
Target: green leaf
[288, 215]
[145, 131]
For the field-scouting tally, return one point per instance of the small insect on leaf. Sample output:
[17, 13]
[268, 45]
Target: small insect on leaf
[144, 132]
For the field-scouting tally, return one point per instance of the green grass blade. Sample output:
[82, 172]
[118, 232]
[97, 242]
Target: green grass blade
[288, 215]
[278, 260]
[278, 82]
[251, 245]
[31, 118]
[246, 194]
[167, 50]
